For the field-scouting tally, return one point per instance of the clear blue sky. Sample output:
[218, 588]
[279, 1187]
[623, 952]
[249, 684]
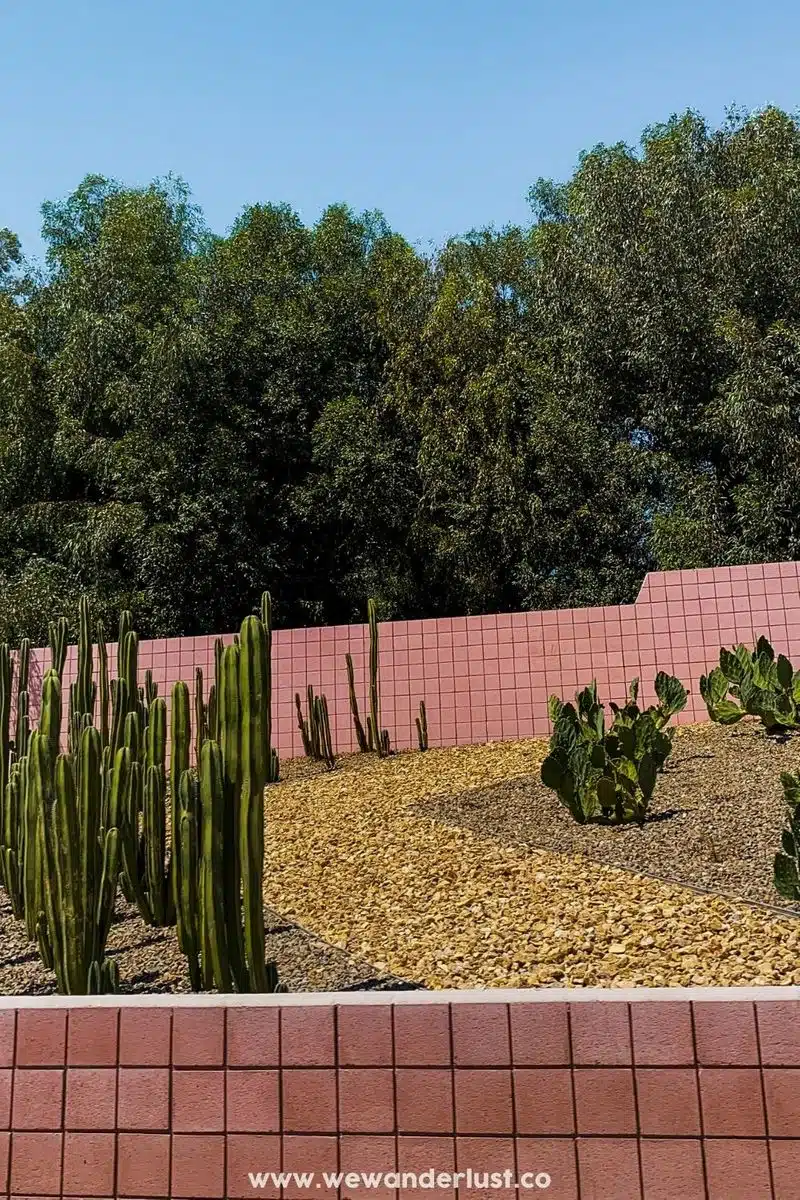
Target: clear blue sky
[441, 113]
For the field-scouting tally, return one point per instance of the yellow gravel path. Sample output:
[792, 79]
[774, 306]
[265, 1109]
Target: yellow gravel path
[445, 908]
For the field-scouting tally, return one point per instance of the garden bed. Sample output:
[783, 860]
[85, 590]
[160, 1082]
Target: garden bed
[715, 822]
[457, 868]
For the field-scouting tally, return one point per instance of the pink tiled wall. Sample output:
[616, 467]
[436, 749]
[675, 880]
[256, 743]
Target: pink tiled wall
[613, 1100]
[488, 677]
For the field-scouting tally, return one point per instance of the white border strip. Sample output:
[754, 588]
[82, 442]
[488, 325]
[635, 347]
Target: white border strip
[445, 996]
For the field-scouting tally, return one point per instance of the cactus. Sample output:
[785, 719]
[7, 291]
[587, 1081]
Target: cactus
[57, 639]
[315, 730]
[80, 862]
[255, 765]
[377, 736]
[421, 723]
[610, 775]
[361, 736]
[766, 687]
[187, 875]
[786, 872]
[199, 716]
[180, 743]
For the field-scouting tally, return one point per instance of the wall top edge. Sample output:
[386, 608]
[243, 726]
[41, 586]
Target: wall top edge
[445, 996]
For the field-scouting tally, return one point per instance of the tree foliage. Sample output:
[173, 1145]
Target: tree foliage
[529, 417]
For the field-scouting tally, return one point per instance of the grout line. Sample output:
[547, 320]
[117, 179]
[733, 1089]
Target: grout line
[764, 1110]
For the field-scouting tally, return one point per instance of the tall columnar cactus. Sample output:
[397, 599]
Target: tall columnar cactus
[82, 691]
[80, 860]
[422, 726]
[361, 737]
[273, 764]
[378, 738]
[180, 744]
[57, 639]
[187, 851]
[200, 728]
[104, 693]
[254, 691]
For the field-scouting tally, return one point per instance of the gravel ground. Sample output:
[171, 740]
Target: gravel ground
[356, 856]
[456, 868]
[150, 961]
[715, 822]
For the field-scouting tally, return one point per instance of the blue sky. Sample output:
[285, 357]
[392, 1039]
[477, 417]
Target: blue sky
[441, 113]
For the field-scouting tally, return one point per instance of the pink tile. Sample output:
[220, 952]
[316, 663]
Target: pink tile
[732, 1102]
[785, 1158]
[737, 1169]
[671, 1168]
[198, 1166]
[364, 1035]
[662, 1033]
[779, 1032]
[424, 1101]
[359, 1153]
[492, 1155]
[782, 1093]
[92, 1037]
[198, 1037]
[668, 1103]
[366, 1100]
[257, 1153]
[307, 1037]
[198, 1101]
[539, 1035]
[609, 1169]
[309, 1100]
[253, 1037]
[8, 1022]
[480, 1035]
[144, 1037]
[143, 1098]
[253, 1101]
[89, 1162]
[483, 1102]
[304, 1154]
[91, 1100]
[543, 1101]
[600, 1034]
[604, 1100]
[38, 1099]
[36, 1162]
[41, 1037]
[553, 1159]
[417, 1154]
[725, 1033]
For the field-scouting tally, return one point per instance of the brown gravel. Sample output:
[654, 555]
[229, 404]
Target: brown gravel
[456, 868]
[715, 822]
[150, 960]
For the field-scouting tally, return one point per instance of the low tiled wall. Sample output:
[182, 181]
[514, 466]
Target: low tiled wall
[661, 1094]
[488, 677]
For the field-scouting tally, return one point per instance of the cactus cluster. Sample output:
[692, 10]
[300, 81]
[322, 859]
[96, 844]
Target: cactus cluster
[315, 728]
[186, 848]
[609, 775]
[764, 686]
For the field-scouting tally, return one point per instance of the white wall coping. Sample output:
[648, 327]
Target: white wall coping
[445, 996]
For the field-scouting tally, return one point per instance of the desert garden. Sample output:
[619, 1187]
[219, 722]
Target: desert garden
[622, 851]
